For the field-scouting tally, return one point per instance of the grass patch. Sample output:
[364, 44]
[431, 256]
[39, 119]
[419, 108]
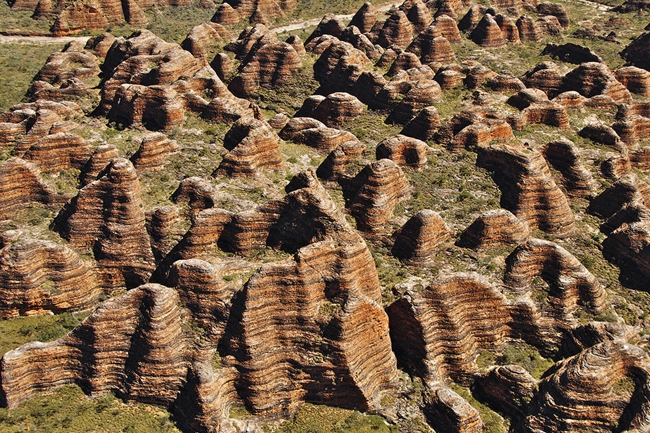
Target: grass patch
[20, 330]
[69, 410]
[19, 63]
[494, 423]
[324, 419]
[526, 356]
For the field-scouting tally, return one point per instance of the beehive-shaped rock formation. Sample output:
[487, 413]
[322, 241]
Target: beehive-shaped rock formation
[252, 145]
[99, 160]
[107, 216]
[132, 345]
[20, 184]
[509, 387]
[419, 240]
[404, 150]
[492, 229]
[417, 13]
[487, 33]
[420, 95]
[628, 189]
[379, 187]
[582, 392]
[37, 277]
[57, 152]
[339, 67]
[333, 110]
[364, 19]
[334, 166]
[447, 411]
[397, 30]
[270, 64]
[438, 331]
[527, 187]
[594, 78]
[195, 192]
[546, 76]
[232, 12]
[431, 46]
[564, 157]
[153, 152]
[313, 133]
[569, 282]
[204, 38]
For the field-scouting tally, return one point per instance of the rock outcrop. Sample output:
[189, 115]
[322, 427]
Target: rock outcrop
[438, 331]
[375, 192]
[232, 12]
[106, 215]
[313, 133]
[420, 239]
[637, 52]
[153, 152]
[404, 151]
[447, 411]
[528, 189]
[564, 157]
[252, 146]
[569, 282]
[487, 33]
[424, 125]
[585, 392]
[333, 110]
[493, 229]
[38, 277]
[20, 184]
[132, 345]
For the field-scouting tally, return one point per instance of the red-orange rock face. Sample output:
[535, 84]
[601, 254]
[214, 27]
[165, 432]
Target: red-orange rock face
[492, 229]
[447, 411]
[397, 30]
[153, 152]
[132, 345]
[107, 216]
[20, 184]
[528, 189]
[40, 276]
[487, 33]
[438, 331]
[381, 185]
[405, 151]
[563, 155]
[253, 146]
[581, 393]
[314, 133]
[419, 240]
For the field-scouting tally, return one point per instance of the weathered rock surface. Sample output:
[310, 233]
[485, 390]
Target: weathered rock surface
[253, 146]
[375, 192]
[333, 110]
[594, 78]
[20, 184]
[571, 53]
[404, 150]
[313, 133]
[509, 387]
[527, 187]
[419, 240]
[424, 125]
[487, 33]
[447, 411]
[195, 192]
[628, 189]
[492, 229]
[99, 160]
[107, 216]
[397, 30]
[153, 152]
[57, 152]
[334, 166]
[232, 12]
[132, 345]
[438, 331]
[582, 392]
[204, 38]
[563, 155]
[37, 277]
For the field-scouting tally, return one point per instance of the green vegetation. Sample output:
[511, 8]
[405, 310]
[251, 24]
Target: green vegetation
[68, 410]
[324, 419]
[19, 63]
[526, 356]
[18, 331]
[494, 423]
[174, 23]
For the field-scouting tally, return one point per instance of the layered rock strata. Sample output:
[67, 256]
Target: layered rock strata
[252, 146]
[37, 277]
[564, 157]
[438, 331]
[404, 151]
[20, 184]
[153, 152]
[376, 191]
[107, 216]
[527, 187]
[493, 229]
[421, 238]
[582, 392]
[313, 133]
[132, 345]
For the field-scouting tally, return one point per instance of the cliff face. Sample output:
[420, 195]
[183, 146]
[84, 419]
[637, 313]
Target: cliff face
[107, 216]
[528, 190]
[438, 331]
[131, 345]
[40, 276]
[21, 183]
